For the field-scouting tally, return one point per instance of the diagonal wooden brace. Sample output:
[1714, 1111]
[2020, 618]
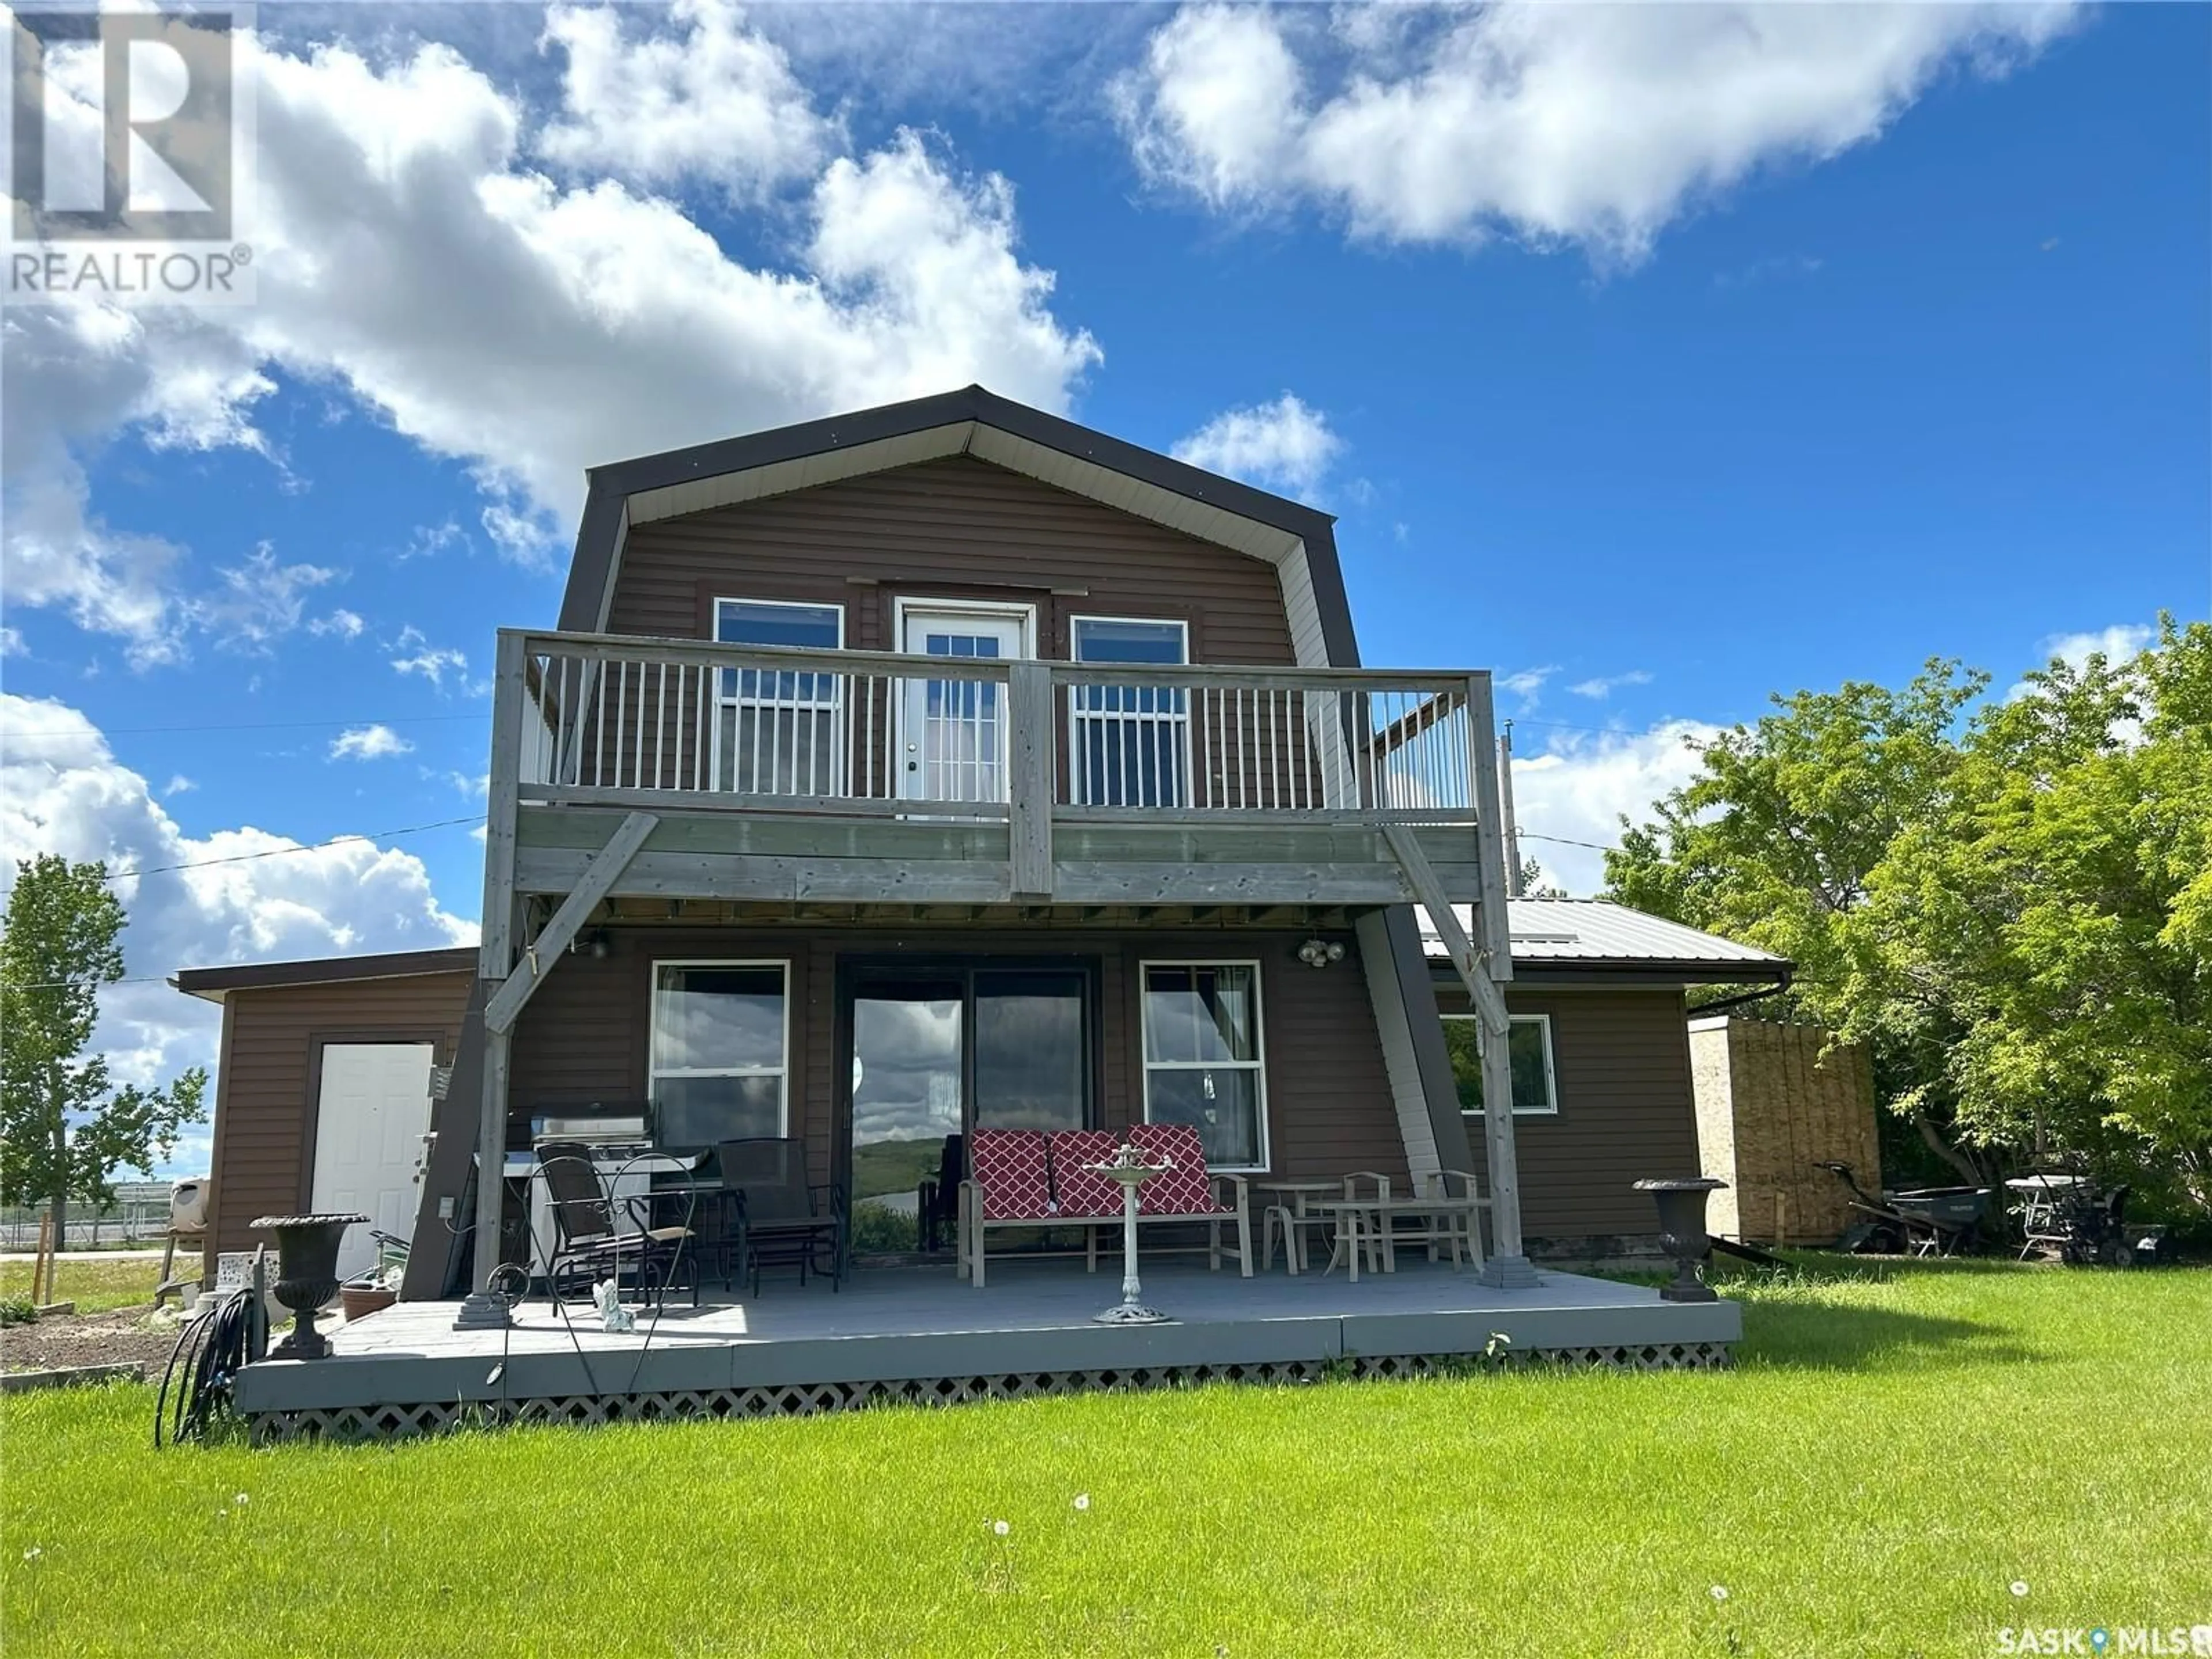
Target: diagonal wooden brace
[597, 879]
[1508, 1268]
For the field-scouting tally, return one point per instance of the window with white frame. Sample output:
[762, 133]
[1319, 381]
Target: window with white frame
[1203, 1060]
[780, 731]
[1536, 1084]
[1128, 745]
[719, 1050]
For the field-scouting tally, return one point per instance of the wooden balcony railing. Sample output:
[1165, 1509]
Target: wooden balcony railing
[687, 724]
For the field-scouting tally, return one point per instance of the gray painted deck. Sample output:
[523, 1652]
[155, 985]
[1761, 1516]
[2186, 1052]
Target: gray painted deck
[904, 1323]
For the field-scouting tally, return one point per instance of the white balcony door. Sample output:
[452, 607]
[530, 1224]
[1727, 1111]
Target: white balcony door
[952, 736]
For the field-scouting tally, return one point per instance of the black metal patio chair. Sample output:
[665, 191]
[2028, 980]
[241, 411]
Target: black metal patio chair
[773, 1217]
[937, 1200]
[588, 1244]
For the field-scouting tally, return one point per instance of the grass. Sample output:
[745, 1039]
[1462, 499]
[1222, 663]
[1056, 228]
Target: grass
[1891, 1456]
[97, 1286]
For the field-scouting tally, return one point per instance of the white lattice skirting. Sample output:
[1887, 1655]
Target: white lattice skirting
[803, 1400]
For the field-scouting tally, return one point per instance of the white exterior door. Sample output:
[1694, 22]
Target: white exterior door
[952, 732]
[369, 1124]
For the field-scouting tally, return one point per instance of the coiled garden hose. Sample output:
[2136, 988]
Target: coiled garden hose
[210, 1350]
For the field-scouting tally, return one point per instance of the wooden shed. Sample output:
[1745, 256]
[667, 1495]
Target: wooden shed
[1774, 1101]
[323, 1090]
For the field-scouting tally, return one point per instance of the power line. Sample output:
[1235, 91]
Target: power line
[250, 726]
[1568, 840]
[90, 984]
[279, 851]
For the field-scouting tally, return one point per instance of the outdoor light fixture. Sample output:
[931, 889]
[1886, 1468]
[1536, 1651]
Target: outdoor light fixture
[593, 944]
[1319, 953]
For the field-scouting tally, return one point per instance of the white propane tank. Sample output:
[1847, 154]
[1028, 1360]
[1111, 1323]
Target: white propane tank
[188, 1206]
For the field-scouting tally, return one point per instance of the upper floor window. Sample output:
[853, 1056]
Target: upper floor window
[780, 733]
[1128, 745]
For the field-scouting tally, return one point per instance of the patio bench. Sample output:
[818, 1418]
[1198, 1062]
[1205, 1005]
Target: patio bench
[1027, 1178]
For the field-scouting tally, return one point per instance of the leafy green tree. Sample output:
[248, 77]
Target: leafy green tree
[1773, 843]
[2014, 914]
[2044, 936]
[64, 1129]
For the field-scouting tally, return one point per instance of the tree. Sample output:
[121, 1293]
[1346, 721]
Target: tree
[1533, 885]
[1774, 840]
[2013, 913]
[2056, 911]
[65, 1130]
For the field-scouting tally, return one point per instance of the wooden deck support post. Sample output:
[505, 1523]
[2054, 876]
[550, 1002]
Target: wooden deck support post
[1508, 1267]
[1029, 778]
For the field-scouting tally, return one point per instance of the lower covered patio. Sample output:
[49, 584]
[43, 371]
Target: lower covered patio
[920, 1335]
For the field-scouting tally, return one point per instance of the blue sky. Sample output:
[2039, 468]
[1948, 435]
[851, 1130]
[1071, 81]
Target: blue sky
[1761, 390]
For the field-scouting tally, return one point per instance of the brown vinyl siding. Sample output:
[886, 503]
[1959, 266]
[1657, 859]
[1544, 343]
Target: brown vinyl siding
[265, 1086]
[1621, 1067]
[584, 1037]
[956, 527]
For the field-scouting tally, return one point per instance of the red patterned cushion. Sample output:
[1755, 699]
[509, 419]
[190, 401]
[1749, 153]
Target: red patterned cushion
[1081, 1191]
[1008, 1165]
[1183, 1189]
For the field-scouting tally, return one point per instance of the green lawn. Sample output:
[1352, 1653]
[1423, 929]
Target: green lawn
[95, 1286]
[1888, 1460]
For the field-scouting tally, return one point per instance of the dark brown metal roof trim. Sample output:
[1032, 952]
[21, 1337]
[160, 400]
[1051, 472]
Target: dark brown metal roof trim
[214, 983]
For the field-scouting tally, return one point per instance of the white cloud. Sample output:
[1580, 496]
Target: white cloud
[1284, 444]
[259, 602]
[1602, 685]
[432, 663]
[62, 791]
[366, 742]
[1592, 124]
[525, 538]
[340, 624]
[179, 784]
[717, 101]
[11, 642]
[2119, 643]
[1526, 684]
[410, 254]
[1580, 788]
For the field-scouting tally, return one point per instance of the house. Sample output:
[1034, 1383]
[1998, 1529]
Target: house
[944, 766]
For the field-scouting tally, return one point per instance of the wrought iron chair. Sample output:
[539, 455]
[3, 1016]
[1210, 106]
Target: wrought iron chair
[773, 1215]
[587, 1245]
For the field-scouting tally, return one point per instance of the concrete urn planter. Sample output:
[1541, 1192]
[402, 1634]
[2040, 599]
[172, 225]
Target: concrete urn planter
[307, 1275]
[1682, 1232]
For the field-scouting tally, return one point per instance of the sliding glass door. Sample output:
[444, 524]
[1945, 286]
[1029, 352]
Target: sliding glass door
[942, 1049]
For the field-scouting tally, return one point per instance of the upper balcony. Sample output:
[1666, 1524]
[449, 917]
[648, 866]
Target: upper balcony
[859, 777]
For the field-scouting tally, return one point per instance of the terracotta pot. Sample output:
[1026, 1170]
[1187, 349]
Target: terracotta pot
[360, 1301]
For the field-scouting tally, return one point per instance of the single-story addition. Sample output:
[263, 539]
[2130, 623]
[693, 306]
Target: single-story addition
[942, 771]
[1604, 1090]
